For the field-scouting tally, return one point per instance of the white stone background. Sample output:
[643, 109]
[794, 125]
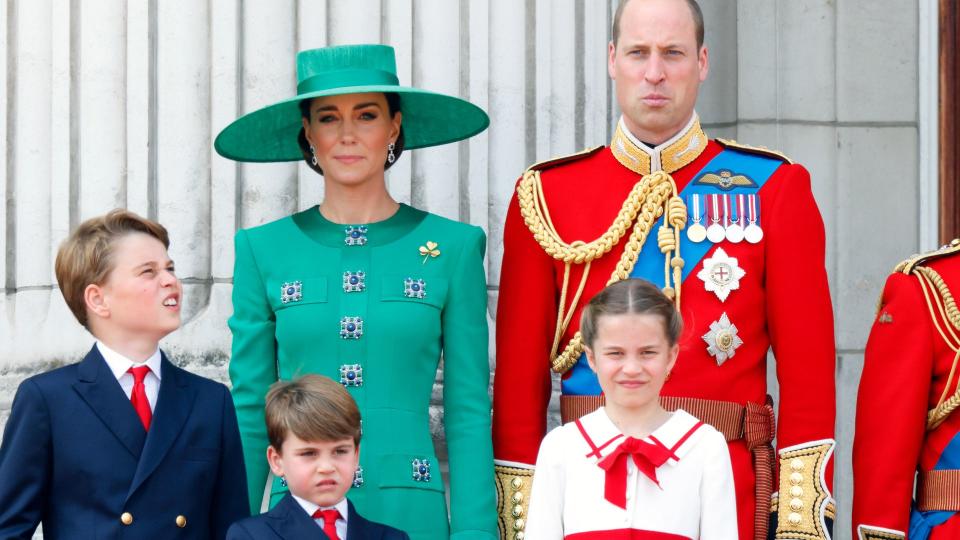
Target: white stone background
[110, 103]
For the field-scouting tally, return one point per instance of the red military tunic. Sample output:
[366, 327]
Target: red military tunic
[782, 303]
[910, 367]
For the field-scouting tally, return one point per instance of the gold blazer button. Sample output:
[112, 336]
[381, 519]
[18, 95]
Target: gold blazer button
[181, 521]
[126, 518]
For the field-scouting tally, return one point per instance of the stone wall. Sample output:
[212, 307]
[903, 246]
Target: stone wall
[108, 103]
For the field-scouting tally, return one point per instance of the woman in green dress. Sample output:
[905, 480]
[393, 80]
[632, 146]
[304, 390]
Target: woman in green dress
[369, 292]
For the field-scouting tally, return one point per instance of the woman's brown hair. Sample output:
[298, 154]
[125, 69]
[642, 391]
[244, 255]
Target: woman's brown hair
[631, 297]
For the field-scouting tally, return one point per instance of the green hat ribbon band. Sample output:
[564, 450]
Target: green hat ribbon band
[345, 78]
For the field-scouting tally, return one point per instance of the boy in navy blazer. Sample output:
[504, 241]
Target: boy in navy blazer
[314, 429]
[123, 444]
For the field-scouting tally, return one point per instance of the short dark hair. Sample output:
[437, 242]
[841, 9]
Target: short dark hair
[312, 407]
[393, 106]
[694, 10]
[631, 297]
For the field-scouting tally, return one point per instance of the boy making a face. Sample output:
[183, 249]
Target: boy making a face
[123, 444]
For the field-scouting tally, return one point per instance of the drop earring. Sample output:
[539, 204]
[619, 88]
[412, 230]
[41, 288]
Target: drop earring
[283, 481]
[313, 154]
[390, 155]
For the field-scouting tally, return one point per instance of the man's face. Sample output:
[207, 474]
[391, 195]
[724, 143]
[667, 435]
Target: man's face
[657, 67]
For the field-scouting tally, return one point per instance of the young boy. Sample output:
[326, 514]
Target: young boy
[314, 429]
[123, 444]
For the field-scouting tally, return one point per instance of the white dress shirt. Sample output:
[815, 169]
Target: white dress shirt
[341, 507]
[120, 367]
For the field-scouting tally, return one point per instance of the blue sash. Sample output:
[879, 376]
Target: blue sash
[581, 380]
[922, 523]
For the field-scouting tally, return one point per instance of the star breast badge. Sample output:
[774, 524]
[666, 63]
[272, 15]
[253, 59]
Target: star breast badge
[722, 340]
[721, 274]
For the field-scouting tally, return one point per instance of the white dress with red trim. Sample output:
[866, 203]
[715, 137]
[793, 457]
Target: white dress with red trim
[594, 483]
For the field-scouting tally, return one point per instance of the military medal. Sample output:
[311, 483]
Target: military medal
[734, 224]
[722, 340]
[753, 233]
[696, 233]
[715, 232]
[721, 274]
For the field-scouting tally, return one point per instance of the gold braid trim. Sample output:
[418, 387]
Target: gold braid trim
[513, 486]
[942, 303]
[653, 196]
[803, 495]
[868, 532]
[907, 266]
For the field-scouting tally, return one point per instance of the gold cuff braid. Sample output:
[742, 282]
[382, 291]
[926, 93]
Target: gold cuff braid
[513, 500]
[804, 500]
[653, 196]
[866, 532]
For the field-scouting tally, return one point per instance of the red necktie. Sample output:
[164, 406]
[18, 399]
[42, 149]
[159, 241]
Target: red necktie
[139, 395]
[646, 456]
[329, 517]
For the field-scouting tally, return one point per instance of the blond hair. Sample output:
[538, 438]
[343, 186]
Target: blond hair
[314, 408]
[86, 256]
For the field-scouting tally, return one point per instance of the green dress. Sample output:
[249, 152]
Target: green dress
[373, 306]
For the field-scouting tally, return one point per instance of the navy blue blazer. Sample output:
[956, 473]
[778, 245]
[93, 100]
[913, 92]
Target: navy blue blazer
[288, 521]
[76, 457]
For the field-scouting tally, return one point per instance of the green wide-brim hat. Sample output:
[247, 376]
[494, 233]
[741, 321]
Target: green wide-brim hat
[429, 119]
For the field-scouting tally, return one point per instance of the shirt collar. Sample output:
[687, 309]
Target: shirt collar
[608, 437]
[310, 508]
[120, 364]
[672, 155]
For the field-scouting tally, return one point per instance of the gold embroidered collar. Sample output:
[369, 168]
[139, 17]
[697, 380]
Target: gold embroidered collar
[670, 156]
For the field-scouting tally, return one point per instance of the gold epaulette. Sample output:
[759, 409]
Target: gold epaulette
[759, 150]
[908, 266]
[553, 162]
[945, 317]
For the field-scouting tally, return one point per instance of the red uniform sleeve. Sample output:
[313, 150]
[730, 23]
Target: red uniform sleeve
[892, 407]
[526, 319]
[799, 312]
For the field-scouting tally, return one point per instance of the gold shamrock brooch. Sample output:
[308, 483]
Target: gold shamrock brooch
[429, 250]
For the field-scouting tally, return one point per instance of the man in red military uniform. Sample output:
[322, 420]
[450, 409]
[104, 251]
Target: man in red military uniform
[731, 232]
[907, 424]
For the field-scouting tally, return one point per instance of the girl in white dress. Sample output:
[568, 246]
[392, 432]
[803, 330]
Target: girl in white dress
[631, 470]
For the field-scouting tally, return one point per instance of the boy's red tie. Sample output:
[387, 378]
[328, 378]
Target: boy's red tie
[139, 395]
[329, 517]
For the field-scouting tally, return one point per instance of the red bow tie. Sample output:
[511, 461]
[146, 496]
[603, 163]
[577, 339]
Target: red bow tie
[647, 458]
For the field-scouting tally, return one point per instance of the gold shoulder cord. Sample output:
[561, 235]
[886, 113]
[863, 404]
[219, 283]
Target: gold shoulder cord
[942, 303]
[653, 196]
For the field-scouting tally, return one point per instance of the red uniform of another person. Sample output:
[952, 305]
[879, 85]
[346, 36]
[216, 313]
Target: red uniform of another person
[740, 295]
[907, 425]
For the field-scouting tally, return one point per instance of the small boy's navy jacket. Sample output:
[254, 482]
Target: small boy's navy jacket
[288, 521]
[76, 457]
